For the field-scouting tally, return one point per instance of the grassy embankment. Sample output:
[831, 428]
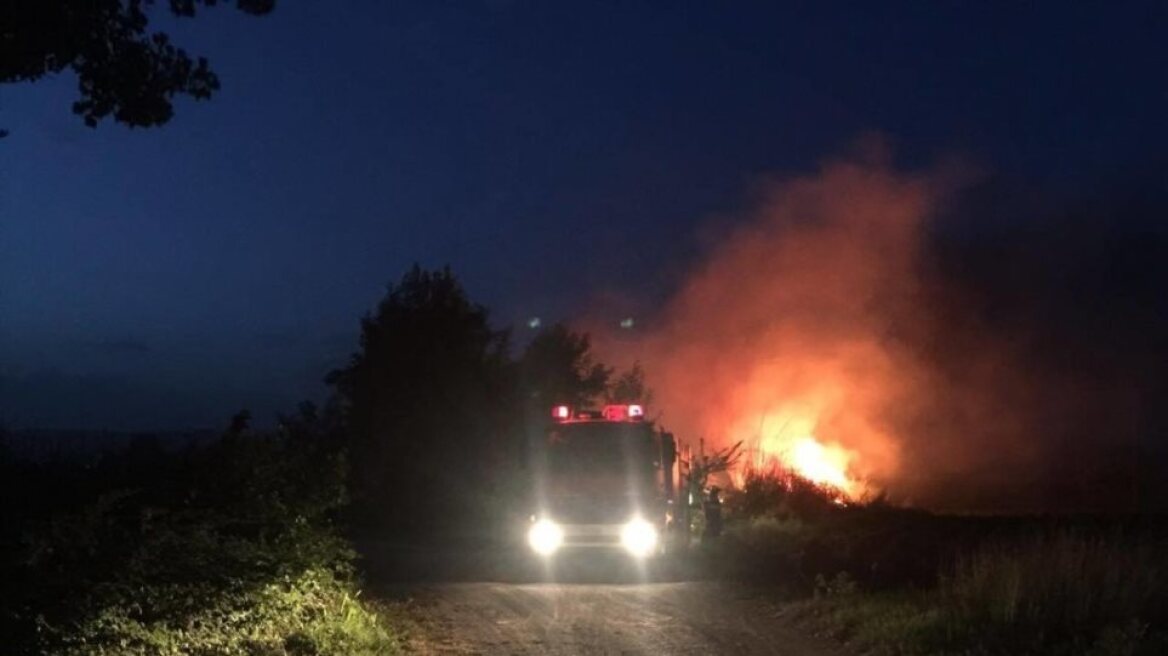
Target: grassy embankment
[890, 581]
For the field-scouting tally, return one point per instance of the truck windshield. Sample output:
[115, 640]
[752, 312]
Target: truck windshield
[601, 447]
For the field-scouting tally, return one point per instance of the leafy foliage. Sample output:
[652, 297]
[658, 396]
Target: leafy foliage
[123, 68]
[425, 405]
[231, 551]
[438, 414]
[630, 387]
[558, 367]
[780, 492]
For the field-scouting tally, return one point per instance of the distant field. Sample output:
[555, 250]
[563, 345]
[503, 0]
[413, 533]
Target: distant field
[893, 581]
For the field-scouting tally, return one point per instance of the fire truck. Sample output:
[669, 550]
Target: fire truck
[604, 479]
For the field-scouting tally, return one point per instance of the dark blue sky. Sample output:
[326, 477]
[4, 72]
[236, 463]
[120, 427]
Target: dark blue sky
[164, 278]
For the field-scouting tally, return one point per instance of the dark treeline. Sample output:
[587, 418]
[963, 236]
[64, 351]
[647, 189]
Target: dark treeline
[244, 543]
[238, 544]
[436, 411]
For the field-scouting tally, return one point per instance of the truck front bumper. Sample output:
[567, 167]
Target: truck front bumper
[637, 537]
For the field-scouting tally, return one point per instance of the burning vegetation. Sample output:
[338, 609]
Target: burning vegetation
[873, 331]
[788, 331]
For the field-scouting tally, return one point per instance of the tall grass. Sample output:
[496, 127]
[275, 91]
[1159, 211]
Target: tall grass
[1064, 592]
[1065, 587]
[895, 581]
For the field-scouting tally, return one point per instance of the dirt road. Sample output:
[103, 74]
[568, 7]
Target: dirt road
[590, 618]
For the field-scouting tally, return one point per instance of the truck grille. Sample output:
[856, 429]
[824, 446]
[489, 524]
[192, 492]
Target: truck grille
[592, 535]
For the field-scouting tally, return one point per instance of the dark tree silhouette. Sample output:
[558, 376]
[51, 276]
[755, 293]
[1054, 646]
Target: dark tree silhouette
[425, 403]
[123, 68]
[240, 423]
[6, 455]
[558, 367]
[630, 387]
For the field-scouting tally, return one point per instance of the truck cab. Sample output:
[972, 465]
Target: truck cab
[604, 479]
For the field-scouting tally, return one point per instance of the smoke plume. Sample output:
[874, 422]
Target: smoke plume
[857, 328]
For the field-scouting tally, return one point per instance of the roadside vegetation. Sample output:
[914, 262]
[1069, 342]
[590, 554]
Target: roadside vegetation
[894, 581]
[439, 412]
[244, 544]
[225, 548]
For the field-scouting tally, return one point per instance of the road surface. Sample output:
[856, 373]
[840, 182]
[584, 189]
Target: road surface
[595, 618]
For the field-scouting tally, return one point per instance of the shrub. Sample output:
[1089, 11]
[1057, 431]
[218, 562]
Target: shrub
[234, 553]
[778, 492]
[314, 613]
[761, 549]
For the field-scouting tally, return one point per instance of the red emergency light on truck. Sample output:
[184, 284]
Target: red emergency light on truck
[604, 479]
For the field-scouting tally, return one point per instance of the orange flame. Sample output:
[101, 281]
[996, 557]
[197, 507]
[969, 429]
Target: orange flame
[791, 445]
[784, 339]
[821, 464]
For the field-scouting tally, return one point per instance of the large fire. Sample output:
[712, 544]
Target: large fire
[787, 442]
[782, 339]
[826, 465]
[846, 330]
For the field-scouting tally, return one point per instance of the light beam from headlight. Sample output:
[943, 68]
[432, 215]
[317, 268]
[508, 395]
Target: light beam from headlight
[639, 537]
[545, 537]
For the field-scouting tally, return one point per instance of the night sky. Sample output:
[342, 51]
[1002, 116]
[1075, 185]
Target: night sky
[164, 278]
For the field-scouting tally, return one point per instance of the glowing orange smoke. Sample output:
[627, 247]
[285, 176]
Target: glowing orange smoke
[784, 339]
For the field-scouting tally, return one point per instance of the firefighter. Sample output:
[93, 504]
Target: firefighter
[713, 511]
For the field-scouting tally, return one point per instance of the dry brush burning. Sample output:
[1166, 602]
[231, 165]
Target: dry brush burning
[786, 338]
[837, 334]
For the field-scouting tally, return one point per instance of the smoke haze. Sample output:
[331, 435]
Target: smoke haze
[916, 335]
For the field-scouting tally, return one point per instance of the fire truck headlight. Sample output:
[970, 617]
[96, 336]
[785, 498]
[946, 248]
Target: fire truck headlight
[639, 537]
[545, 537]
